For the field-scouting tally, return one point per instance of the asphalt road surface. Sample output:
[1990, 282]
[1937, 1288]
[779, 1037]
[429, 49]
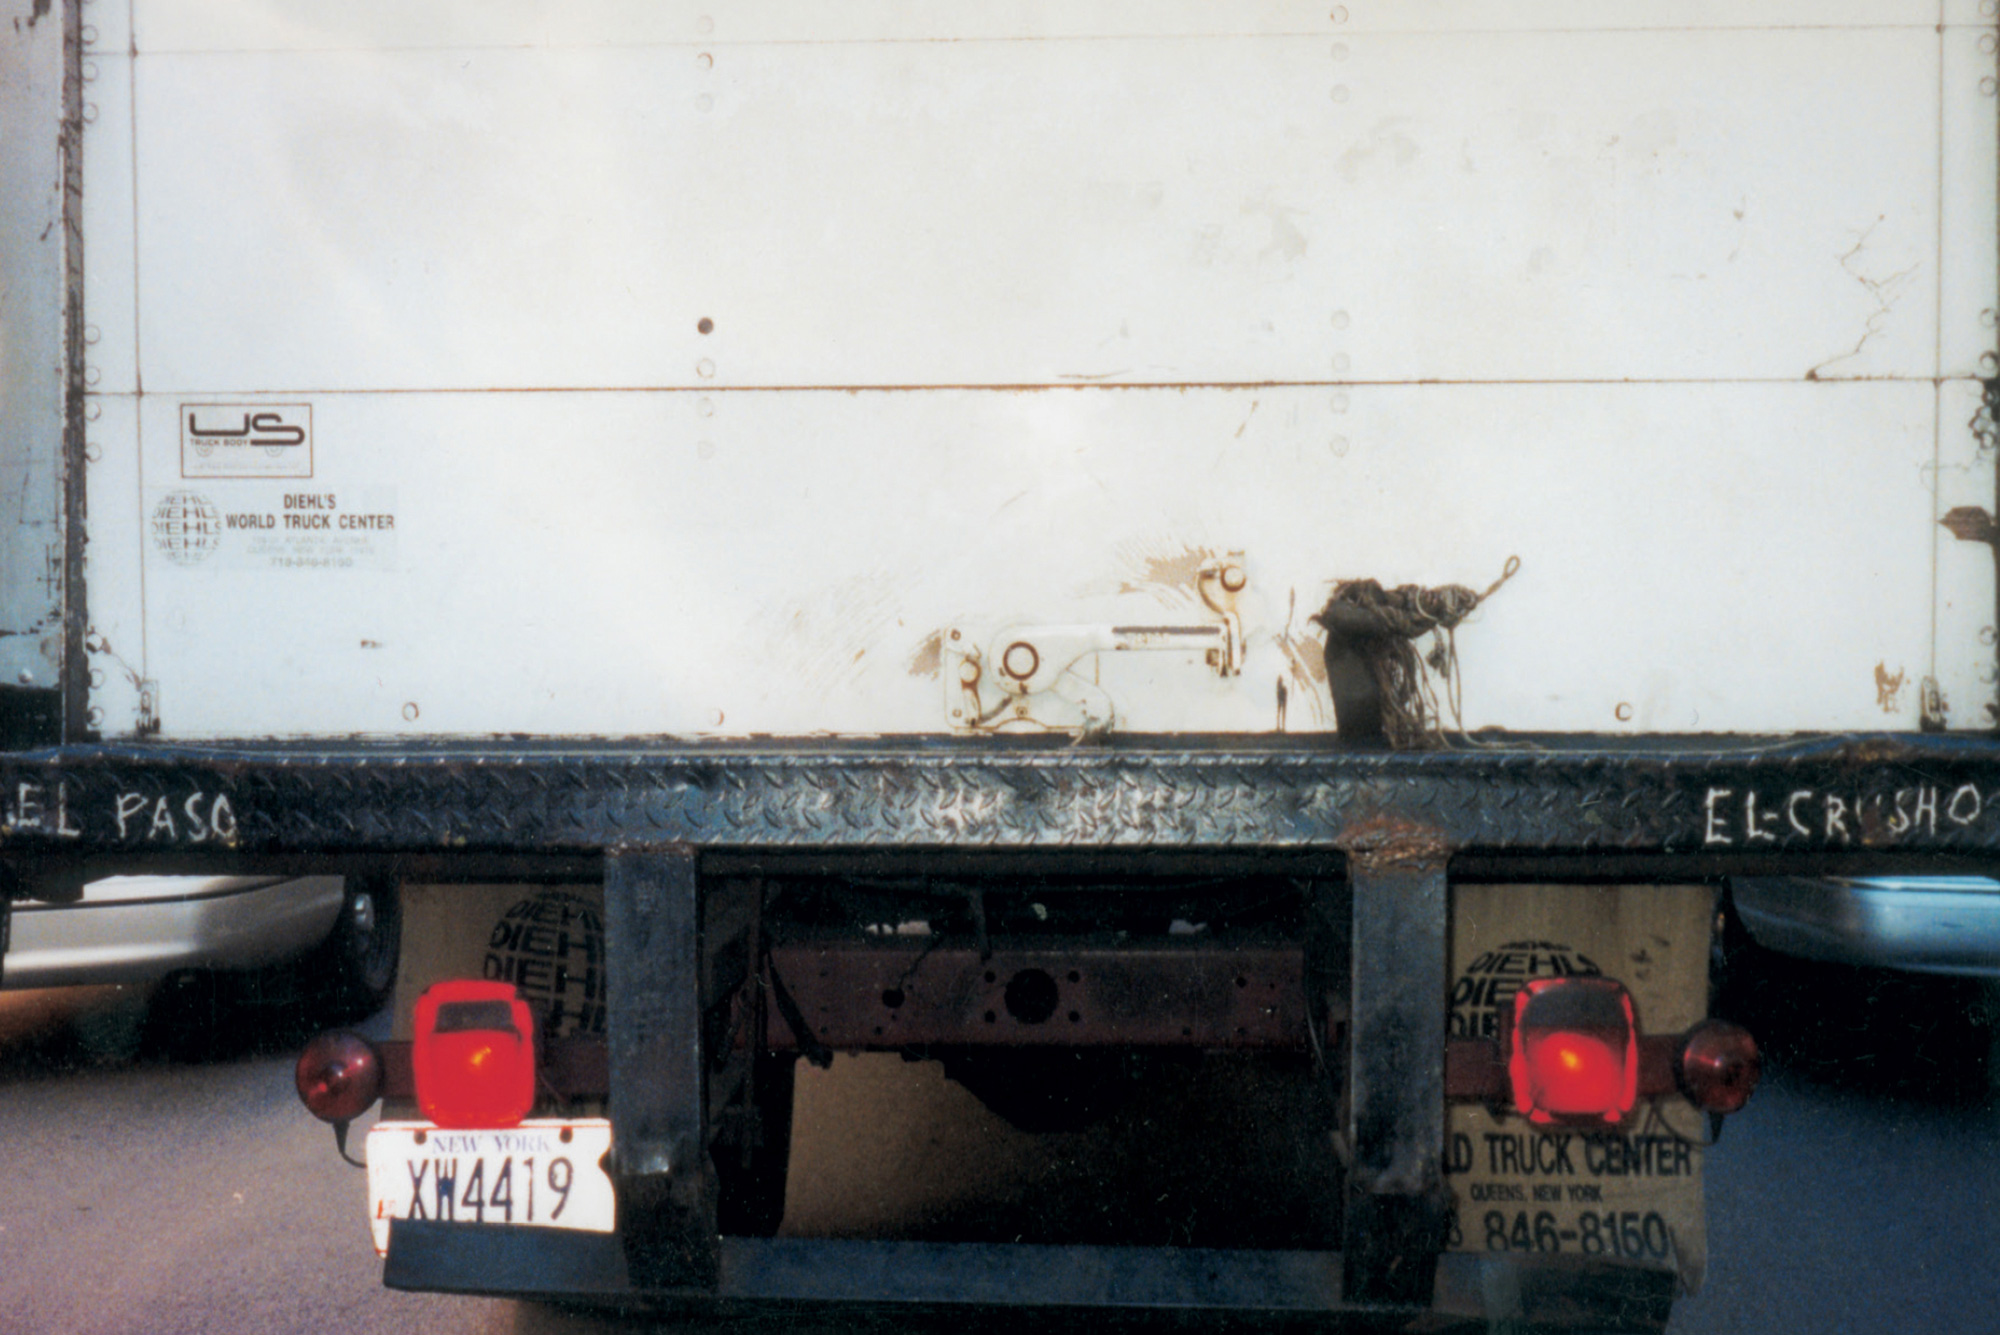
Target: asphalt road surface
[150, 1184]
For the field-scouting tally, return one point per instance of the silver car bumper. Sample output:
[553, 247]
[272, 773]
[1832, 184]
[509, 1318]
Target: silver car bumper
[135, 929]
[1926, 924]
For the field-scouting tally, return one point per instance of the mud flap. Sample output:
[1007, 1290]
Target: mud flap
[1631, 1196]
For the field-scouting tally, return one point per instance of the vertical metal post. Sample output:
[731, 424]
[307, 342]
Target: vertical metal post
[658, 1104]
[75, 666]
[1396, 1206]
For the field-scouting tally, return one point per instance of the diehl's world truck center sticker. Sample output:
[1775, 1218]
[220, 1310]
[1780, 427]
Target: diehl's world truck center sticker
[246, 440]
[252, 526]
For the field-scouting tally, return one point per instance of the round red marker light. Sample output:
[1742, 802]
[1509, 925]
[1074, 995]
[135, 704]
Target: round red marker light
[1719, 1066]
[339, 1076]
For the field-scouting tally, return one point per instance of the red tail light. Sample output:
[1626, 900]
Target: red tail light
[1719, 1066]
[1573, 1057]
[474, 1054]
[339, 1076]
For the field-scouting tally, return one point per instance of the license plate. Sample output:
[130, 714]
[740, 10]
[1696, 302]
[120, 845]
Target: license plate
[540, 1174]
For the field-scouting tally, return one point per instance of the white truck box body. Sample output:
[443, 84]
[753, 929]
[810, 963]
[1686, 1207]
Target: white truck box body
[1017, 313]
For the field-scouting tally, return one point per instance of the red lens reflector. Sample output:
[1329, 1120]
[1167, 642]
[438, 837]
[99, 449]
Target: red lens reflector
[339, 1076]
[474, 1054]
[1574, 1052]
[1719, 1066]
[1573, 1073]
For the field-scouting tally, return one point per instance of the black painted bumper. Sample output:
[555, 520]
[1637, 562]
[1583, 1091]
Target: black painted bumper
[790, 1273]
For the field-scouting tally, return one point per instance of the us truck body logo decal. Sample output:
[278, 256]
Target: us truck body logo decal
[246, 440]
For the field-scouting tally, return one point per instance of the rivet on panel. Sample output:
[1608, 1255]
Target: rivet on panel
[1341, 361]
[1989, 362]
[93, 452]
[1340, 319]
[1339, 403]
[410, 712]
[704, 61]
[1989, 7]
[704, 407]
[90, 113]
[96, 714]
[1623, 712]
[1339, 14]
[705, 24]
[704, 325]
[91, 375]
[89, 35]
[90, 71]
[704, 368]
[94, 410]
[1340, 92]
[1339, 447]
[1340, 51]
[91, 333]
[1989, 44]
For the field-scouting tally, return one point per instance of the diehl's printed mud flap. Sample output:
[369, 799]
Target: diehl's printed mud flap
[548, 941]
[1632, 1194]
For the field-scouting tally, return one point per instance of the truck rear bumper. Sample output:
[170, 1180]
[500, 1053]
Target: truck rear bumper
[1547, 1293]
[1926, 924]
